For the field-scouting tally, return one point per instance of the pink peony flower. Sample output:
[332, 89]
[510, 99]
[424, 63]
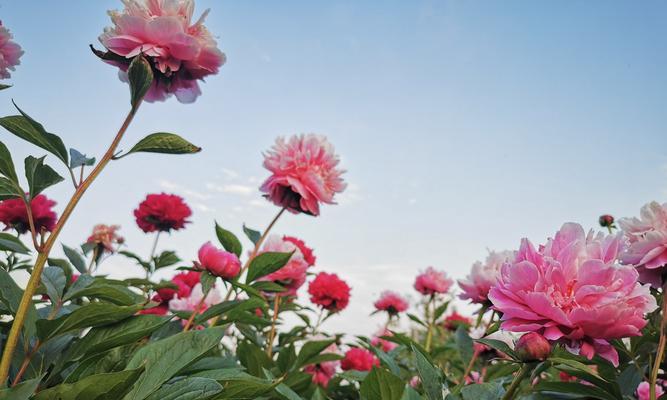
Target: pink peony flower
[359, 359]
[572, 292]
[431, 282]
[105, 237]
[647, 238]
[218, 262]
[10, 53]
[329, 292]
[189, 278]
[415, 381]
[391, 302]
[477, 284]
[324, 371]
[644, 391]
[293, 275]
[303, 172]
[14, 214]
[385, 345]
[180, 52]
[191, 302]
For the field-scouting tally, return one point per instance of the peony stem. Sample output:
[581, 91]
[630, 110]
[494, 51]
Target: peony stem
[518, 378]
[195, 312]
[661, 345]
[319, 321]
[272, 333]
[92, 261]
[430, 318]
[31, 223]
[149, 272]
[35, 276]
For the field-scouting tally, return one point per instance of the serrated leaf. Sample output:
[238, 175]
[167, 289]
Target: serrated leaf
[228, 240]
[140, 76]
[7, 165]
[252, 234]
[89, 315]
[77, 159]
[265, 264]
[110, 386]
[164, 143]
[40, 176]
[9, 242]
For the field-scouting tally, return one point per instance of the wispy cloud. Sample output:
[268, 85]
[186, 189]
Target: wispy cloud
[239, 189]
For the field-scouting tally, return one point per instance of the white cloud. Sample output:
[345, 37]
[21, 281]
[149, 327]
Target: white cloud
[351, 194]
[204, 208]
[230, 173]
[238, 189]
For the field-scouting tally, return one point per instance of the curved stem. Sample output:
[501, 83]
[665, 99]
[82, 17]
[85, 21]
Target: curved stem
[272, 333]
[520, 375]
[35, 276]
[661, 345]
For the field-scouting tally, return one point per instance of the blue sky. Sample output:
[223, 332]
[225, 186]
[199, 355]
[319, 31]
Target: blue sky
[462, 125]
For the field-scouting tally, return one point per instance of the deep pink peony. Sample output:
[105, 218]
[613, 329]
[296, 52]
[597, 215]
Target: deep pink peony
[384, 344]
[359, 359]
[482, 276]
[14, 214]
[324, 371]
[189, 278]
[105, 237]
[306, 251]
[644, 391]
[391, 302]
[162, 212]
[329, 292]
[304, 174]
[293, 275]
[181, 53]
[647, 238]
[10, 53]
[432, 281]
[218, 262]
[572, 292]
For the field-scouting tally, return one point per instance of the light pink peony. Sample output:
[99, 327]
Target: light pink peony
[385, 345]
[10, 53]
[432, 281]
[293, 275]
[218, 262]
[391, 302]
[181, 52]
[644, 391]
[191, 302]
[304, 174]
[572, 292]
[482, 276]
[647, 238]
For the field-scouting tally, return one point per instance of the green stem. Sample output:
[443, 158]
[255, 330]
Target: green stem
[35, 276]
[430, 317]
[661, 345]
[518, 378]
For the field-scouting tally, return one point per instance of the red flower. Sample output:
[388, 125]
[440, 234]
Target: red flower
[329, 292]
[359, 359]
[306, 251]
[14, 214]
[453, 321]
[189, 278]
[391, 302]
[162, 212]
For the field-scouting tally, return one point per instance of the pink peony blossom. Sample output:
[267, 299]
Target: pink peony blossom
[324, 371]
[303, 174]
[644, 391]
[190, 302]
[293, 275]
[432, 281]
[14, 214]
[384, 344]
[10, 53]
[181, 52]
[482, 276]
[572, 292]
[329, 292]
[359, 359]
[647, 238]
[391, 302]
[218, 262]
[105, 237]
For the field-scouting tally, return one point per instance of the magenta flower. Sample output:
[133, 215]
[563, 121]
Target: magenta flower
[573, 292]
[432, 281]
[218, 262]
[647, 238]
[644, 391]
[304, 174]
[293, 275]
[181, 52]
[391, 302]
[10, 53]
[482, 276]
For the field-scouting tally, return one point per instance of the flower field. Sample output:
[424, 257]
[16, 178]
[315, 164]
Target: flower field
[577, 315]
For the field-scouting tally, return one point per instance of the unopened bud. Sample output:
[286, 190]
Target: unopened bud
[606, 221]
[532, 347]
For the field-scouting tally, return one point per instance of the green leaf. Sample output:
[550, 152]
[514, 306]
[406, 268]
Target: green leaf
[22, 391]
[112, 293]
[464, 344]
[164, 358]
[381, 384]
[207, 281]
[411, 394]
[386, 360]
[136, 258]
[8, 189]
[77, 159]
[228, 240]
[252, 234]
[245, 388]
[111, 386]
[430, 376]
[253, 358]
[9, 242]
[498, 345]
[10, 296]
[166, 259]
[228, 306]
[164, 143]
[191, 388]
[89, 315]
[483, 391]
[265, 264]
[7, 165]
[440, 310]
[574, 388]
[76, 259]
[3, 86]
[140, 75]
[54, 280]
[39, 175]
[309, 351]
[32, 131]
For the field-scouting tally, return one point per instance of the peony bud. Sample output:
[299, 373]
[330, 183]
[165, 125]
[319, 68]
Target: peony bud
[532, 347]
[606, 221]
[218, 262]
